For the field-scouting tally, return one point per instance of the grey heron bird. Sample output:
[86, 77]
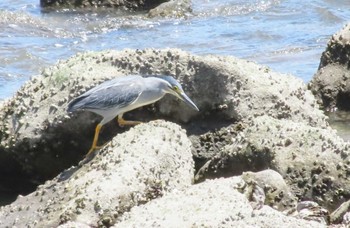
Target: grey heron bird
[114, 97]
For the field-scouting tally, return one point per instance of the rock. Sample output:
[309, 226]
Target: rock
[36, 130]
[74, 224]
[134, 168]
[310, 210]
[273, 218]
[340, 215]
[251, 119]
[172, 8]
[346, 219]
[130, 4]
[313, 161]
[331, 84]
[277, 193]
[213, 203]
[338, 49]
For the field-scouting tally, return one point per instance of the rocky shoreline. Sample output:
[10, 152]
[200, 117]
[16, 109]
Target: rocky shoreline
[259, 153]
[154, 8]
[331, 82]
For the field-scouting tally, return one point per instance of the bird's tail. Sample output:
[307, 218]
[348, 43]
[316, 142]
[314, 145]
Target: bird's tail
[75, 104]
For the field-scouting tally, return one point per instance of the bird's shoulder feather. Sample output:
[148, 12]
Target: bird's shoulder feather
[114, 93]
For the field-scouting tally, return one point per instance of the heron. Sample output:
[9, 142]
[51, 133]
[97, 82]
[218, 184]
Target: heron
[114, 97]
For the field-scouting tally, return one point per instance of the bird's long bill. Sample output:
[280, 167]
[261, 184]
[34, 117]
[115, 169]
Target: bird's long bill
[188, 101]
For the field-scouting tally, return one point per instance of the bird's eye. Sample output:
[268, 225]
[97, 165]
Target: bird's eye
[176, 89]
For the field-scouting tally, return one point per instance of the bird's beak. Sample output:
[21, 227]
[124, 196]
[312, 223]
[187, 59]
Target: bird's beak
[187, 100]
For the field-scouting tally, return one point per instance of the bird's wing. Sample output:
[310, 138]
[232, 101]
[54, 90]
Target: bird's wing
[115, 82]
[115, 93]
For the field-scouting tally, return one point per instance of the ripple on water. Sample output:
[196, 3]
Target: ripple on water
[288, 36]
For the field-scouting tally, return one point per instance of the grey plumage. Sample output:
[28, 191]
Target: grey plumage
[117, 92]
[117, 96]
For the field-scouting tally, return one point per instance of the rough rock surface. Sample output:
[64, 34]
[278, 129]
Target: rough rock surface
[214, 203]
[276, 192]
[250, 119]
[135, 167]
[313, 161]
[338, 49]
[36, 130]
[130, 4]
[341, 214]
[158, 8]
[172, 8]
[331, 84]
[129, 186]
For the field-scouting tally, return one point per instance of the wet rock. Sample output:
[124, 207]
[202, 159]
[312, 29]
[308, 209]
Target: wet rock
[172, 8]
[213, 203]
[130, 170]
[331, 83]
[313, 161]
[130, 4]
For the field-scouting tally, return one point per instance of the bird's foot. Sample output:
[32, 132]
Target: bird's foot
[90, 155]
[91, 151]
[123, 122]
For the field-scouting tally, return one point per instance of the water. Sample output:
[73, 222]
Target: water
[288, 36]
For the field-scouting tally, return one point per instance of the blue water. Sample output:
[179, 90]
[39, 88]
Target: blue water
[288, 36]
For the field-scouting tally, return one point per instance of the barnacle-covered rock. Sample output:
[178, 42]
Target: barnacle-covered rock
[313, 161]
[250, 119]
[213, 203]
[331, 83]
[135, 167]
[43, 138]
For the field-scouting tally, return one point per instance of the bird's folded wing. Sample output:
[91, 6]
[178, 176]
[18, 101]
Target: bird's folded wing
[116, 93]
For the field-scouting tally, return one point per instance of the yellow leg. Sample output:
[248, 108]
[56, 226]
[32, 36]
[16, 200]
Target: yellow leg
[94, 143]
[123, 122]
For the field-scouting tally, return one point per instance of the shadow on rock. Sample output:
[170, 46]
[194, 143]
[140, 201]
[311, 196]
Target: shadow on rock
[232, 94]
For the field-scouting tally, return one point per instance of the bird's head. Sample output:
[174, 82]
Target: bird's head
[175, 89]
